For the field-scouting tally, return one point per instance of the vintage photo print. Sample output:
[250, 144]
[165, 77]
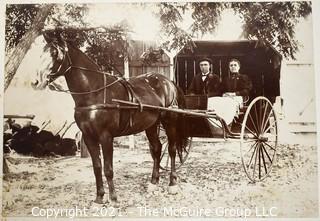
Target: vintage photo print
[159, 109]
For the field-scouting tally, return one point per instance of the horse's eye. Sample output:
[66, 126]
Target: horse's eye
[54, 52]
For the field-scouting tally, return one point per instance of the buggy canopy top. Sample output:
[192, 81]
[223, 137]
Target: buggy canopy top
[260, 61]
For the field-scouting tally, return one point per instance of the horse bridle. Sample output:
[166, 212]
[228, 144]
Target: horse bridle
[54, 75]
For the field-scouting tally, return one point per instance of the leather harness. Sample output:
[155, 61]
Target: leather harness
[132, 97]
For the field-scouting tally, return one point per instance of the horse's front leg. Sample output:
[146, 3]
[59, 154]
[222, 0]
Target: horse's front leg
[107, 150]
[94, 150]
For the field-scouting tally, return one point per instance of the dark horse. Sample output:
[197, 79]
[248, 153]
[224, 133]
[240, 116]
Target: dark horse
[100, 119]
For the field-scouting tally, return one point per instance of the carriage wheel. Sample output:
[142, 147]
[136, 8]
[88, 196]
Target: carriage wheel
[165, 162]
[259, 139]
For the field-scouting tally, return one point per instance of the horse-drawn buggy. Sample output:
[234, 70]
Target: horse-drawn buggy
[107, 106]
[254, 124]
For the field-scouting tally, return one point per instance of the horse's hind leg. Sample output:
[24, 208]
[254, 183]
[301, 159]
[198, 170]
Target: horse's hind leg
[155, 149]
[94, 150]
[171, 131]
[107, 150]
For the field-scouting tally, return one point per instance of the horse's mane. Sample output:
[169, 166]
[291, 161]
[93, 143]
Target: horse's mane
[83, 54]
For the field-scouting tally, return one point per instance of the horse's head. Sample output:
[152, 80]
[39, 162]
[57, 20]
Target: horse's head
[53, 61]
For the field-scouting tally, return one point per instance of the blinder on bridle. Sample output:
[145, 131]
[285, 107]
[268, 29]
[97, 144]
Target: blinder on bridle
[59, 67]
[59, 53]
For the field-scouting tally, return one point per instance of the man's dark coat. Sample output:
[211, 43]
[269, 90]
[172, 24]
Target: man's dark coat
[210, 86]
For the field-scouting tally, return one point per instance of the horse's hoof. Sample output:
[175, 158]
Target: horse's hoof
[99, 200]
[115, 204]
[113, 198]
[152, 187]
[173, 189]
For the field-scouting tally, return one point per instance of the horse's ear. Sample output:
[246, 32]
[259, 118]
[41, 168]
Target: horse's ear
[51, 36]
[58, 35]
[47, 37]
[60, 38]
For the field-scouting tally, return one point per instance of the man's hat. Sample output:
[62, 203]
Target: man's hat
[205, 59]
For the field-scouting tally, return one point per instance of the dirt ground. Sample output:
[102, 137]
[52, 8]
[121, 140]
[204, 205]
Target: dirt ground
[212, 183]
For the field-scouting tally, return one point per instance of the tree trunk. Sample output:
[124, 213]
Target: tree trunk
[18, 53]
[5, 168]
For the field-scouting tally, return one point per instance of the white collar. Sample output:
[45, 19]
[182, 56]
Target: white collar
[205, 74]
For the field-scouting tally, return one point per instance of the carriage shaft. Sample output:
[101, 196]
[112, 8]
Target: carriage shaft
[196, 113]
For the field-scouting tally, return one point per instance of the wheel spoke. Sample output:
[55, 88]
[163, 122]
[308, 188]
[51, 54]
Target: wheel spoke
[185, 150]
[188, 145]
[264, 149]
[269, 146]
[260, 114]
[165, 160]
[264, 161]
[264, 114]
[164, 151]
[268, 128]
[245, 153]
[259, 150]
[255, 162]
[252, 157]
[265, 124]
[257, 118]
[253, 145]
[253, 123]
[252, 132]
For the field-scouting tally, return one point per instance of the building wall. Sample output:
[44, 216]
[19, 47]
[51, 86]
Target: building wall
[298, 92]
[136, 65]
[298, 84]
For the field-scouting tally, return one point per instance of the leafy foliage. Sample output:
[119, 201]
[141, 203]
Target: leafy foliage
[206, 16]
[70, 15]
[273, 23]
[105, 45]
[152, 55]
[170, 15]
[19, 19]
[270, 22]
[108, 45]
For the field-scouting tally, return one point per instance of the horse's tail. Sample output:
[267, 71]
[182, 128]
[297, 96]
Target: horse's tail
[182, 140]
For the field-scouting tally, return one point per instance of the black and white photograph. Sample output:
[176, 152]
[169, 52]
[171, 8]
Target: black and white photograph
[154, 109]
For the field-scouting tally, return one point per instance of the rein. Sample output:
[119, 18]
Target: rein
[87, 92]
